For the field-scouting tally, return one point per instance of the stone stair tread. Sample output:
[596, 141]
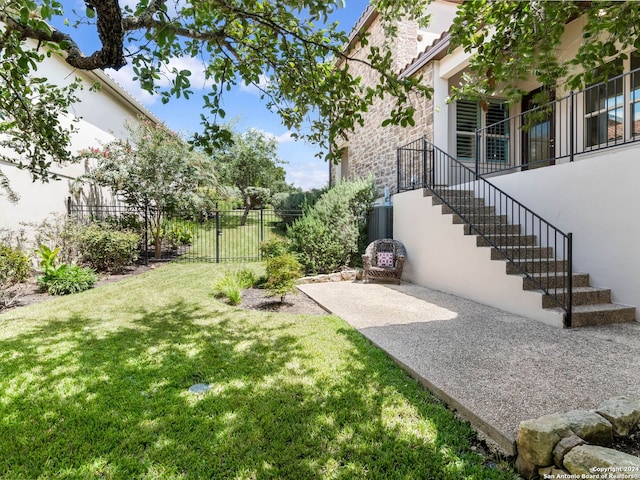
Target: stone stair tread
[589, 308]
[599, 314]
[559, 274]
[598, 307]
[588, 289]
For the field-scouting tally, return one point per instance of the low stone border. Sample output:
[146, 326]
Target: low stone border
[343, 276]
[574, 444]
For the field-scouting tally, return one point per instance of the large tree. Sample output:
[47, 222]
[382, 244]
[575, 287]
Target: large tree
[251, 164]
[238, 41]
[513, 40]
[155, 172]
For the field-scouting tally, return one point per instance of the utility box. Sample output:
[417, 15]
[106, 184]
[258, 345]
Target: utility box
[380, 223]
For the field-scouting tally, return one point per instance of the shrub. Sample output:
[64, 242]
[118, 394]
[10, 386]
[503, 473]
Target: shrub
[66, 279]
[333, 233]
[231, 285]
[282, 273]
[63, 231]
[14, 269]
[62, 279]
[274, 247]
[287, 204]
[177, 234]
[108, 249]
[126, 222]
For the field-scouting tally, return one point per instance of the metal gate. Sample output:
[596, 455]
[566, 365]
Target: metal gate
[227, 235]
[222, 236]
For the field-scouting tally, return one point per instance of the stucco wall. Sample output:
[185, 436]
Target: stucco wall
[442, 257]
[595, 198]
[101, 116]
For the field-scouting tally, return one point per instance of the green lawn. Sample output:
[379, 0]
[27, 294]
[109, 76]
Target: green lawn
[236, 243]
[95, 385]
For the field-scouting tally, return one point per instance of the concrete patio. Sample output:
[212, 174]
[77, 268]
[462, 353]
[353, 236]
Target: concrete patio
[494, 368]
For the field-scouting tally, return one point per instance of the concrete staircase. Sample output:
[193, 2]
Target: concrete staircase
[591, 305]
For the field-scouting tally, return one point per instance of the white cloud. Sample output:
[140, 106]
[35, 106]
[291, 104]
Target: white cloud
[285, 138]
[125, 76]
[194, 65]
[263, 83]
[308, 175]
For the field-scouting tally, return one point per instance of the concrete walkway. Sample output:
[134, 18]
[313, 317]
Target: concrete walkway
[495, 368]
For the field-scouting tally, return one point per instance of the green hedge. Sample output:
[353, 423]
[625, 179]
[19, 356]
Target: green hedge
[332, 234]
[108, 249]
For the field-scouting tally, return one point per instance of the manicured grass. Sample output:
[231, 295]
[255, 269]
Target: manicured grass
[95, 385]
[236, 243]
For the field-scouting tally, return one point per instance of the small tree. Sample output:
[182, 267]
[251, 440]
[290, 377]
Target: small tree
[282, 272]
[251, 164]
[155, 172]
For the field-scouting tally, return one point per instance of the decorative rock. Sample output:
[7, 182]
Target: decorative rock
[525, 468]
[552, 473]
[592, 460]
[623, 413]
[538, 437]
[322, 278]
[348, 275]
[335, 277]
[563, 447]
[590, 426]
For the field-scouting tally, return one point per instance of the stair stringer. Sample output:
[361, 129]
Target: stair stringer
[442, 257]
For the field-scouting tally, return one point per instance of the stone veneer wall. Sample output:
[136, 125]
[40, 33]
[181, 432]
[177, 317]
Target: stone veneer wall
[371, 149]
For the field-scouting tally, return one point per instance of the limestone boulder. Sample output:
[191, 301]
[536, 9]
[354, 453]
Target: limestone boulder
[590, 426]
[538, 437]
[593, 461]
[622, 412]
[548, 473]
[563, 447]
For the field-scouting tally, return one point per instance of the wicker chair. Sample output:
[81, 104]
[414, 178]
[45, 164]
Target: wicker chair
[383, 260]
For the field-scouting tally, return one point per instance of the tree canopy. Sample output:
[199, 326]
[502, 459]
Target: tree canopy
[286, 49]
[251, 165]
[512, 40]
[286, 42]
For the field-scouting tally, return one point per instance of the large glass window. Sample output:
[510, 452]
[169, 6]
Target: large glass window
[604, 110]
[635, 94]
[469, 117]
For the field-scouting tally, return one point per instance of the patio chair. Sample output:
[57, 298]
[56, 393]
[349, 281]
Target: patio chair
[383, 260]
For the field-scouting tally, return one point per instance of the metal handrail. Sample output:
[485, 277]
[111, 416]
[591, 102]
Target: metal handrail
[496, 219]
[600, 116]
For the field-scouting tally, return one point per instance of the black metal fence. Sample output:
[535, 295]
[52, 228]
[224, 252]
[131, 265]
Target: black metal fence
[231, 235]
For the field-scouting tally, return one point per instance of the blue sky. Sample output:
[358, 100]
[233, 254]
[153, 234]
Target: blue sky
[242, 104]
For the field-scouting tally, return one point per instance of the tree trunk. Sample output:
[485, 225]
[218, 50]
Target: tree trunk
[247, 209]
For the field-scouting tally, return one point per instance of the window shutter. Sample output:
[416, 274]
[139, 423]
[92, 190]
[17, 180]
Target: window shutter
[467, 117]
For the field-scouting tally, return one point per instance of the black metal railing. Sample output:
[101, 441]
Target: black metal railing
[601, 116]
[531, 245]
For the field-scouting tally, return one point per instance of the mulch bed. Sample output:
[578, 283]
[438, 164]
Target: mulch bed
[252, 298]
[297, 303]
[629, 444]
[31, 294]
